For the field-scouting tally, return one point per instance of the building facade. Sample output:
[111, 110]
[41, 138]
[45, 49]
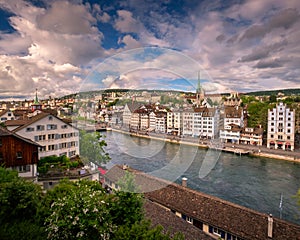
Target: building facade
[281, 128]
[18, 153]
[54, 135]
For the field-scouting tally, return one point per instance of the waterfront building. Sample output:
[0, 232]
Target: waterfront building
[55, 136]
[234, 115]
[190, 119]
[281, 127]
[252, 136]
[175, 122]
[158, 121]
[231, 133]
[128, 111]
[201, 122]
[18, 153]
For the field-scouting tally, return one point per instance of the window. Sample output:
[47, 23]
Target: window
[288, 124]
[289, 119]
[289, 131]
[19, 155]
[52, 147]
[0, 141]
[40, 127]
[189, 219]
[51, 126]
[51, 136]
[1, 156]
[50, 118]
[64, 126]
[43, 149]
[272, 124]
[288, 137]
[29, 129]
[279, 137]
[272, 136]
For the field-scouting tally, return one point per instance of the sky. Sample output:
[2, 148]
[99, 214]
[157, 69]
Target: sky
[62, 47]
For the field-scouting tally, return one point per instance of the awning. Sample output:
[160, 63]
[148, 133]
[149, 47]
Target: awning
[287, 143]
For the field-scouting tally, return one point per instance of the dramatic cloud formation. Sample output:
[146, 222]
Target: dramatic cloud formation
[59, 47]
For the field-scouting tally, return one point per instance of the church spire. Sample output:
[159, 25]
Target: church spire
[36, 100]
[199, 85]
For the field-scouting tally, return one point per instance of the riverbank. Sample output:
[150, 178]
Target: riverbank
[254, 151]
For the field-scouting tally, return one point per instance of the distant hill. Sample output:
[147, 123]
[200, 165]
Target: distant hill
[288, 92]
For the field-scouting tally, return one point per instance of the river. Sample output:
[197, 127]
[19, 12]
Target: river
[253, 182]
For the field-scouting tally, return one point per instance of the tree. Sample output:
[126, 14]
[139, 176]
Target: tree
[20, 202]
[92, 148]
[83, 213]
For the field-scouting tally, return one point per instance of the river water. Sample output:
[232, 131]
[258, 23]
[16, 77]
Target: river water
[253, 182]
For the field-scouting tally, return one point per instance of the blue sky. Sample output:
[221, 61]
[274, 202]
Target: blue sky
[61, 47]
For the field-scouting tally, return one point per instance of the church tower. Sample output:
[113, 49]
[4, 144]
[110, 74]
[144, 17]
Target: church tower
[200, 95]
[36, 104]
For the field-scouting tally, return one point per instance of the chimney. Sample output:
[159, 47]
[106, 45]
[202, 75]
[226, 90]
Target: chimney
[270, 226]
[184, 182]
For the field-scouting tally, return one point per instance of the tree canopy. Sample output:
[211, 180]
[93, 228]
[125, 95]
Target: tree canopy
[71, 210]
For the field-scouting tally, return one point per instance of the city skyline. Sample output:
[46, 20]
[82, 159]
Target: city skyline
[61, 47]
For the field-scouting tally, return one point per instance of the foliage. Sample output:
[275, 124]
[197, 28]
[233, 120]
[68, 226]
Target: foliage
[61, 162]
[92, 148]
[127, 201]
[71, 210]
[83, 213]
[143, 230]
[18, 200]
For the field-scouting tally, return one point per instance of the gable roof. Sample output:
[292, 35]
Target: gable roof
[6, 132]
[31, 120]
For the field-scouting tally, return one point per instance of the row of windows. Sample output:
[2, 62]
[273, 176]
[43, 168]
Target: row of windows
[54, 147]
[55, 136]
[280, 137]
[48, 127]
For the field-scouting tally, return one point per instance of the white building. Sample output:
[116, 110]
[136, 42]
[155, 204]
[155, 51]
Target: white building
[231, 133]
[234, 115]
[6, 115]
[281, 128]
[127, 113]
[201, 122]
[175, 122]
[54, 135]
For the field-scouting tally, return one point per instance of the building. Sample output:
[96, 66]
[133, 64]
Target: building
[281, 128]
[234, 115]
[55, 136]
[36, 105]
[211, 215]
[127, 112]
[252, 136]
[201, 122]
[18, 153]
[233, 100]
[175, 122]
[6, 115]
[231, 133]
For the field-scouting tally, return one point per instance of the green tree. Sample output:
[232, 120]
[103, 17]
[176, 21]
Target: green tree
[20, 201]
[83, 213]
[92, 148]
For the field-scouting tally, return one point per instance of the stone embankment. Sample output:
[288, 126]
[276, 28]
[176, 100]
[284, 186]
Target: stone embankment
[256, 151]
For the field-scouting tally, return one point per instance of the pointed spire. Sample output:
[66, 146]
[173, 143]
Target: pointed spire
[199, 85]
[36, 100]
